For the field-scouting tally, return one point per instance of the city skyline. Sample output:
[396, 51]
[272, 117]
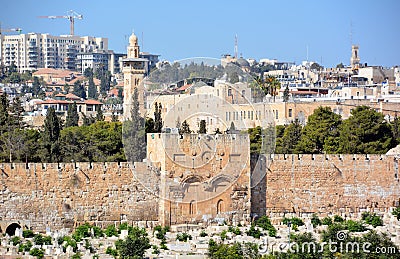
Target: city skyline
[290, 31]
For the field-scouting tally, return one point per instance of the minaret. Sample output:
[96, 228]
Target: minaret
[134, 71]
[355, 59]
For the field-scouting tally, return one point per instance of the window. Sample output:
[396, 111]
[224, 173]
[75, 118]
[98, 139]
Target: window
[243, 93]
[229, 91]
[290, 113]
[277, 115]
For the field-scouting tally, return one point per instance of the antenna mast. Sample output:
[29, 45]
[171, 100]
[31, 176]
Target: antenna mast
[236, 46]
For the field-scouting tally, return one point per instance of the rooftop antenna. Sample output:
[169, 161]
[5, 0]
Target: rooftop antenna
[307, 53]
[142, 43]
[236, 46]
[351, 33]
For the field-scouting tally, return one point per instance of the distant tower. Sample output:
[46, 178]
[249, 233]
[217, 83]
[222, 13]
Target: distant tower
[355, 59]
[236, 46]
[134, 71]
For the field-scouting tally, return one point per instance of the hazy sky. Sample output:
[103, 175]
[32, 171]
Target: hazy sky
[207, 28]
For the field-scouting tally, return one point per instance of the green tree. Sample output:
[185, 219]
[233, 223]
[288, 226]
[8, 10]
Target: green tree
[202, 127]
[99, 114]
[321, 134]
[291, 136]
[396, 212]
[87, 120]
[265, 223]
[120, 93]
[66, 88]
[114, 117]
[234, 78]
[36, 87]
[270, 85]
[286, 94]
[185, 129]
[72, 115]
[149, 128]
[134, 245]
[158, 123]
[51, 134]
[134, 134]
[365, 132]
[79, 89]
[340, 65]
[92, 89]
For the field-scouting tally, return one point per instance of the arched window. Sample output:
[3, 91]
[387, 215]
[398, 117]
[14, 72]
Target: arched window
[192, 208]
[220, 206]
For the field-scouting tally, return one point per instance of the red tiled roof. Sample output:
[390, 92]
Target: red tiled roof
[51, 101]
[92, 102]
[114, 91]
[183, 87]
[72, 97]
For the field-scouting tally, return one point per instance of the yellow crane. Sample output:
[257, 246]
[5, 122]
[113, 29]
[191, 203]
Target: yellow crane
[71, 16]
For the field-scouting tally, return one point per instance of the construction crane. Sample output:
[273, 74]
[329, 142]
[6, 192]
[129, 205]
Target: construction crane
[19, 30]
[71, 16]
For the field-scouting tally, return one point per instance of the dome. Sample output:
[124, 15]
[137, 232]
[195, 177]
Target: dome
[133, 39]
[242, 62]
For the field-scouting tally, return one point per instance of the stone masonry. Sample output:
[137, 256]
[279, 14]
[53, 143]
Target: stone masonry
[66, 195]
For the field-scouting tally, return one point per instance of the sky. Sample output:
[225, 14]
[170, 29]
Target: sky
[283, 30]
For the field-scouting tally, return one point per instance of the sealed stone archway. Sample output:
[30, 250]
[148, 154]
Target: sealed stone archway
[10, 230]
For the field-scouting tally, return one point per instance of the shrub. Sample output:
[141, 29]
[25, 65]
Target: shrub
[110, 231]
[326, 221]
[295, 222]
[396, 212]
[39, 253]
[265, 223]
[69, 242]
[161, 232]
[223, 234]
[354, 226]
[25, 247]
[315, 221]
[338, 219]
[183, 237]
[256, 233]
[372, 219]
[85, 230]
[76, 256]
[111, 251]
[28, 233]
[203, 233]
[155, 250]
[15, 241]
[235, 230]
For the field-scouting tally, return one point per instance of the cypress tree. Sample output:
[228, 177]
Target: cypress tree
[202, 128]
[157, 118]
[134, 134]
[51, 135]
[99, 115]
[92, 89]
[72, 115]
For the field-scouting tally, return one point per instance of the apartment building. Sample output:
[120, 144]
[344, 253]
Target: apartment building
[37, 50]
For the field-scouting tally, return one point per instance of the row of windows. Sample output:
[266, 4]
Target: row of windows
[232, 116]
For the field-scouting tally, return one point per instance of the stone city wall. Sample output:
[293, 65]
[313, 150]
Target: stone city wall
[332, 184]
[66, 195]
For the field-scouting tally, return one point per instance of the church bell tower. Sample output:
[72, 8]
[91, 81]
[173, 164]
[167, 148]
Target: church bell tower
[134, 69]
